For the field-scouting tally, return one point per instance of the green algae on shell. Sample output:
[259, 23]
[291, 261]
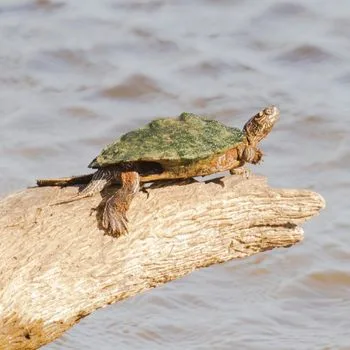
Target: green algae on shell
[179, 140]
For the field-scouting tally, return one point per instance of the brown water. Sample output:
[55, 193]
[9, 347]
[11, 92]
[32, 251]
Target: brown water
[75, 75]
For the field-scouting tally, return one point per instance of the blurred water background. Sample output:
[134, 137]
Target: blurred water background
[77, 74]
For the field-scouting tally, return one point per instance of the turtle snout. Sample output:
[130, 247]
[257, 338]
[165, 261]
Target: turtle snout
[272, 112]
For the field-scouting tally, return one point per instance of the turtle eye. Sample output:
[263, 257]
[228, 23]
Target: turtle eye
[268, 111]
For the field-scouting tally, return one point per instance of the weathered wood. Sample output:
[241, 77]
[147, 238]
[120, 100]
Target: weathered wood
[57, 266]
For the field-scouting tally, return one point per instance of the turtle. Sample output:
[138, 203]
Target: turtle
[187, 146]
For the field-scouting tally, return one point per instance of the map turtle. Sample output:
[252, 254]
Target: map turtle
[169, 148]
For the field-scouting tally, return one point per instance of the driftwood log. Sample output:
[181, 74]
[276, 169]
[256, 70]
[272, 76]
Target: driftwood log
[57, 265]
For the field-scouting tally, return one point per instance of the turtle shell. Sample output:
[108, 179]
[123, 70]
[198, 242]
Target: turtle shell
[179, 141]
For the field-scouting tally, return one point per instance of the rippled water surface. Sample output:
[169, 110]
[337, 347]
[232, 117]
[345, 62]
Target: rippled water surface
[75, 75]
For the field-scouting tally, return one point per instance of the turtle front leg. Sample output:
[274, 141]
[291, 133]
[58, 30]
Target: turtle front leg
[114, 218]
[247, 153]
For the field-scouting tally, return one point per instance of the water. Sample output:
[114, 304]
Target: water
[76, 75]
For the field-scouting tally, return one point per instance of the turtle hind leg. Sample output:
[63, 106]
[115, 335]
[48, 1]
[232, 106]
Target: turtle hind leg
[114, 219]
[101, 179]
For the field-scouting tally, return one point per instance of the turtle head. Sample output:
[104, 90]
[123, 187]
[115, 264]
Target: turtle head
[261, 124]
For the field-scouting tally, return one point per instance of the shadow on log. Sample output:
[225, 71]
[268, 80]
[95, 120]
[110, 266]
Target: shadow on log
[57, 266]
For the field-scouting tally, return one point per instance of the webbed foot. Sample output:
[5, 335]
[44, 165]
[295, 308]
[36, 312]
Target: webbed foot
[242, 171]
[114, 219]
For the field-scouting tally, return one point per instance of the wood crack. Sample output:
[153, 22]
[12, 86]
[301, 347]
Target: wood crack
[57, 266]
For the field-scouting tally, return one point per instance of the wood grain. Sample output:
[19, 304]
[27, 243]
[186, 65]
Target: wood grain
[58, 266]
